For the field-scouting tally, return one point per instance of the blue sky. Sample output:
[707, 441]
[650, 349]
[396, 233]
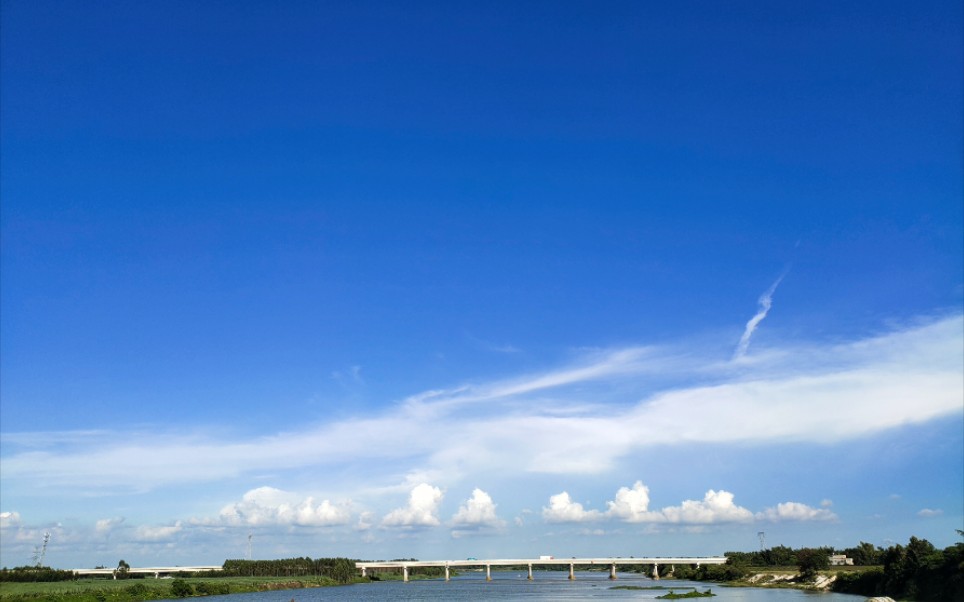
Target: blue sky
[439, 280]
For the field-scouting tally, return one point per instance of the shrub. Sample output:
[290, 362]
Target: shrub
[207, 588]
[181, 588]
[138, 589]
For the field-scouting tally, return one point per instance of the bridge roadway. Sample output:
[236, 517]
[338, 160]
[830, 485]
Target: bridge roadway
[612, 562]
[157, 571]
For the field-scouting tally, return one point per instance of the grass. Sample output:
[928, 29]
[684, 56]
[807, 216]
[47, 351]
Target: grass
[133, 590]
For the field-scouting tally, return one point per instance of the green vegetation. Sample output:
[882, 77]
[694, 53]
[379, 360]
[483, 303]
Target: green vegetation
[340, 570]
[811, 561]
[692, 594]
[32, 584]
[917, 571]
[134, 590]
[27, 574]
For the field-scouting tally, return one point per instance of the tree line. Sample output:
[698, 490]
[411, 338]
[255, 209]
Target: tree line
[33, 573]
[918, 571]
[341, 570]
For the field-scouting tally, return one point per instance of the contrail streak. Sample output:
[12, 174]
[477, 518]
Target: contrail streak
[765, 301]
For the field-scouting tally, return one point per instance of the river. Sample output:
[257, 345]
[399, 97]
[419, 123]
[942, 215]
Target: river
[548, 585]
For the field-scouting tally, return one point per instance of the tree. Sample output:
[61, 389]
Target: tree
[123, 570]
[811, 561]
[865, 554]
[343, 570]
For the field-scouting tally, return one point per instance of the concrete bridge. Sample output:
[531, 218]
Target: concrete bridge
[157, 571]
[610, 562]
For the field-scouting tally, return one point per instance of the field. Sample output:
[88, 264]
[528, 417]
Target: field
[132, 590]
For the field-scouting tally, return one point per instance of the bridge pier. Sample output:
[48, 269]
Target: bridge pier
[530, 572]
[446, 572]
[612, 571]
[405, 574]
[655, 572]
[572, 572]
[488, 572]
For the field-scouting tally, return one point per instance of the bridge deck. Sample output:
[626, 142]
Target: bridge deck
[611, 562]
[605, 561]
[156, 570]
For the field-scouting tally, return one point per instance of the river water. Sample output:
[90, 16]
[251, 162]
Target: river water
[549, 585]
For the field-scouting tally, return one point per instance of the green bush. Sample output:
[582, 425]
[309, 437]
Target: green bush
[181, 588]
[207, 588]
[864, 583]
[138, 589]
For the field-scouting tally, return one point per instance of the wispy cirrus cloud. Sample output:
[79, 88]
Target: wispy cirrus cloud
[765, 302]
[578, 419]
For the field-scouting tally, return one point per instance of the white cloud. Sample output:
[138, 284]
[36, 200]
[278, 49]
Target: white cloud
[105, 525]
[715, 507]
[631, 505]
[269, 506]
[9, 519]
[930, 513]
[364, 521]
[562, 509]
[478, 511]
[422, 509]
[582, 418]
[790, 511]
[765, 302]
[146, 533]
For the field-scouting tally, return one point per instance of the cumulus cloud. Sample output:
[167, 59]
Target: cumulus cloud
[104, 526]
[715, 507]
[795, 511]
[477, 511]
[562, 509]
[146, 533]
[930, 513]
[269, 506]
[422, 509]
[9, 519]
[631, 505]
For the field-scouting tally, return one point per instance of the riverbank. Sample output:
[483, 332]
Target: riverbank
[135, 590]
